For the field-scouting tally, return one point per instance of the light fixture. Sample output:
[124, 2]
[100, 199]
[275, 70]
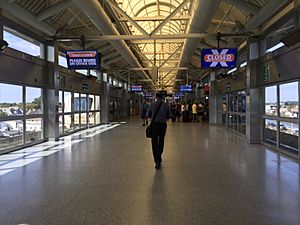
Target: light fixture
[243, 64]
[3, 45]
[232, 70]
[275, 47]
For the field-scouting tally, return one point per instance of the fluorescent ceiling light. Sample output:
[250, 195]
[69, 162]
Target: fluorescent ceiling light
[243, 64]
[232, 70]
[275, 47]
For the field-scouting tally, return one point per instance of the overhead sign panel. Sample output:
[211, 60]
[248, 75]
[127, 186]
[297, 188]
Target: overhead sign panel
[136, 88]
[185, 88]
[218, 58]
[82, 60]
[148, 95]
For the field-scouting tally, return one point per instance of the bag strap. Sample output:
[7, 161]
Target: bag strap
[154, 116]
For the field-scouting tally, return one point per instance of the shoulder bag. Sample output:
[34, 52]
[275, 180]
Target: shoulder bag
[149, 128]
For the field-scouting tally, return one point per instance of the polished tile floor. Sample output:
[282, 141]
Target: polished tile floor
[209, 176]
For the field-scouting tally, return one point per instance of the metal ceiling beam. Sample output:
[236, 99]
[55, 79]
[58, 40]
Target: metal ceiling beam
[183, 17]
[95, 12]
[110, 55]
[116, 59]
[133, 22]
[242, 4]
[161, 69]
[142, 54]
[265, 13]
[171, 56]
[53, 10]
[223, 19]
[202, 16]
[160, 52]
[166, 37]
[27, 17]
[155, 18]
[165, 21]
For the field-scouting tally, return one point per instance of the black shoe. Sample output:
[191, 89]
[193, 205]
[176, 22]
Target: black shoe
[157, 166]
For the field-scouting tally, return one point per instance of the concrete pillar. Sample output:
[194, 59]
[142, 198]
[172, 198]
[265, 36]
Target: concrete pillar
[213, 112]
[297, 14]
[52, 131]
[105, 104]
[1, 26]
[254, 95]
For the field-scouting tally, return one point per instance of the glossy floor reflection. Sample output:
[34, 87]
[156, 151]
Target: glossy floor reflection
[209, 176]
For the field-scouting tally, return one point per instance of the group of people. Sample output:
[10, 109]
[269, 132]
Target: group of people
[196, 112]
[160, 112]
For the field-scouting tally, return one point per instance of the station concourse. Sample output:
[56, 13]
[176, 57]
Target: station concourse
[77, 76]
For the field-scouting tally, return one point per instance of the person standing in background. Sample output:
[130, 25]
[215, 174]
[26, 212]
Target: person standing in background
[144, 110]
[194, 112]
[159, 127]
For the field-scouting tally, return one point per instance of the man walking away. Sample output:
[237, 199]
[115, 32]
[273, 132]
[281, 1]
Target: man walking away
[159, 126]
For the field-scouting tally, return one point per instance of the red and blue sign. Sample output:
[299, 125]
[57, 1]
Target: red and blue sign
[136, 88]
[218, 58]
[82, 60]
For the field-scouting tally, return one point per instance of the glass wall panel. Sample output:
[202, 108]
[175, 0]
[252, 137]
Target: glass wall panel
[230, 122]
[91, 102]
[289, 133]
[97, 102]
[76, 121]
[83, 120]
[84, 72]
[97, 118]
[224, 103]
[92, 118]
[235, 120]
[60, 103]
[242, 125]
[233, 102]
[11, 100]
[67, 102]
[224, 115]
[33, 101]
[83, 103]
[21, 42]
[76, 102]
[68, 124]
[241, 101]
[11, 134]
[289, 100]
[62, 61]
[104, 77]
[270, 131]
[271, 101]
[33, 130]
[60, 124]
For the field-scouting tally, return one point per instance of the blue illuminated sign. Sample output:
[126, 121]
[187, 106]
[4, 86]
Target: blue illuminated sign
[185, 88]
[218, 58]
[82, 60]
[136, 88]
[148, 95]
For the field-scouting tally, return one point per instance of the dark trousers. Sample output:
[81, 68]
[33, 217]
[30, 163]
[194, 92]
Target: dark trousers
[158, 140]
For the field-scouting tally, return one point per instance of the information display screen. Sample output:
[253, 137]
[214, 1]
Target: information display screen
[218, 58]
[185, 88]
[82, 60]
[148, 95]
[136, 88]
